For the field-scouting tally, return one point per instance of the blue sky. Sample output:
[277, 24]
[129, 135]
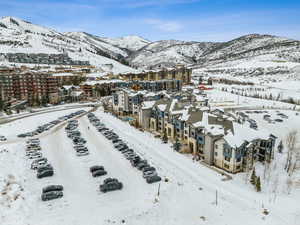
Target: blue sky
[199, 20]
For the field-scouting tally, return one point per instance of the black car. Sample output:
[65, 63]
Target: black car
[109, 180]
[141, 165]
[52, 195]
[153, 179]
[53, 188]
[43, 168]
[279, 120]
[94, 168]
[45, 173]
[148, 168]
[98, 173]
[111, 186]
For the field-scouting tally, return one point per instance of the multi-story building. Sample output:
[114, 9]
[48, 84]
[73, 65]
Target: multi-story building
[183, 74]
[33, 87]
[215, 137]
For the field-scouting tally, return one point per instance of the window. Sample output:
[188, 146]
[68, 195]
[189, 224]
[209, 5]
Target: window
[239, 159]
[238, 167]
[216, 154]
[216, 146]
[226, 166]
[227, 158]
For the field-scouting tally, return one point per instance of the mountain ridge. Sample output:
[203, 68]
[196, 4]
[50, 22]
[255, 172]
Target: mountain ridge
[132, 51]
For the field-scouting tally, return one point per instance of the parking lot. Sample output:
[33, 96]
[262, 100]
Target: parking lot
[187, 190]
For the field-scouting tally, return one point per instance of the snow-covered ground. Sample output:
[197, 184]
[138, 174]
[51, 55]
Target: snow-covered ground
[218, 98]
[187, 198]
[13, 129]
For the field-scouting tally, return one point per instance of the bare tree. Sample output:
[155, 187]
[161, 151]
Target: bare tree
[291, 140]
[289, 184]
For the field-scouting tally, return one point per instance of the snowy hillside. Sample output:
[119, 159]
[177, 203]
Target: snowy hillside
[132, 43]
[206, 54]
[272, 53]
[18, 36]
[170, 53]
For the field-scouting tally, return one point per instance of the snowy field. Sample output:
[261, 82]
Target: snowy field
[218, 98]
[189, 196]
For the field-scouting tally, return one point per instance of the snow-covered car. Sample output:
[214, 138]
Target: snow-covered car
[44, 167]
[51, 195]
[111, 186]
[82, 153]
[148, 168]
[149, 174]
[53, 188]
[38, 162]
[45, 173]
[35, 155]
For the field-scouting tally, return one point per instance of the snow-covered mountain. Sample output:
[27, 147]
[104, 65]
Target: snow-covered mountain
[203, 54]
[255, 51]
[18, 36]
[168, 53]
[132, 43]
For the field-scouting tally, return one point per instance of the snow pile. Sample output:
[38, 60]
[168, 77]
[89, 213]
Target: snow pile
[13, 204]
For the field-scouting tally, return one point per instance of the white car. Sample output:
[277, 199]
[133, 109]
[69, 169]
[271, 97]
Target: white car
[149, 173]
[35, 155]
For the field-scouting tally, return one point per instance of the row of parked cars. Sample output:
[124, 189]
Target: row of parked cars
[47, 126]
[39, 163]
[43, 169]
[78, 142]
[149, 172]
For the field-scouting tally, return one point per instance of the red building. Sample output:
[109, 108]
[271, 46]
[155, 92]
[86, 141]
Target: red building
[33, 87]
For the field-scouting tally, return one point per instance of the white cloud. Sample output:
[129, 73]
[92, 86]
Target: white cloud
[166, 26]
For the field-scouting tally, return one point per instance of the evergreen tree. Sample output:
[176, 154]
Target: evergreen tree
[258, 185]
[253, 177]
[176, 145]
[165, 137]
[1, 105]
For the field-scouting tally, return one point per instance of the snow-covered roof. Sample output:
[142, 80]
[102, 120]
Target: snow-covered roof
[63, 74]
[148, 104]
[94, 82]
[243, 133]
[162, 107]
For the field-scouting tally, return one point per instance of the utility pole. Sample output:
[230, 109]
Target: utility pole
[216, 197]
[158, 191]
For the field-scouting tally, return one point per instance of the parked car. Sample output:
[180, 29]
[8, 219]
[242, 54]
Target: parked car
[38, 162]
[111, 186]
[45, 173]
[153, 179]
[94, 168]
[53, 188]
[149, 174]
[98, 173]
[42, 168]
[82, 153]
[2, 138]
[148, 168]
[51, 195]
[109, 180]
